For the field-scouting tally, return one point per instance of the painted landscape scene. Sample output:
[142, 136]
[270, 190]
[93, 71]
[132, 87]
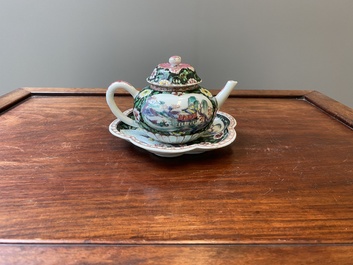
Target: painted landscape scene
[191, 113]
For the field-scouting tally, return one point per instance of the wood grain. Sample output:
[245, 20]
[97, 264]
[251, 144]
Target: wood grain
[176, 255]
[287, 179]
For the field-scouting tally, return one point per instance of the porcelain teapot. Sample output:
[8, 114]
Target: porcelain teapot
[173, 108]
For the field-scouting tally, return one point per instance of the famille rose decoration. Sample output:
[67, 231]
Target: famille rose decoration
[173, 108]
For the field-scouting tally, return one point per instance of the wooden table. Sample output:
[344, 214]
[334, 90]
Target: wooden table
[72, 193]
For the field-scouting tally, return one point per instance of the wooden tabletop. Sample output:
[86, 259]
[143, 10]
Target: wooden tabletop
[72, 193]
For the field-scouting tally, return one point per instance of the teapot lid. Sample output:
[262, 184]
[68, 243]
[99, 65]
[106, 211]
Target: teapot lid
[174, 74]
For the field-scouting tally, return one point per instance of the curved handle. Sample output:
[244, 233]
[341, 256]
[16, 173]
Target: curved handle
[112, 105]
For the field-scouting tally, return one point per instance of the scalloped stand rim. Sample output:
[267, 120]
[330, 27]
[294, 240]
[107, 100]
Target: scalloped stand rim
[139, 138]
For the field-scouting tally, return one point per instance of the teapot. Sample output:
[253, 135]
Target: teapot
[173, 108]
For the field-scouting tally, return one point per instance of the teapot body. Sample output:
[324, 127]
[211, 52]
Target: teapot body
[174, 112]
[173, 108]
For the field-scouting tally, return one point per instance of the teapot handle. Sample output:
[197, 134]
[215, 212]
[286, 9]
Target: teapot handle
[112, 105]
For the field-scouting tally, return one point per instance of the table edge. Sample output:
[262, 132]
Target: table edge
[330, 106]
[178, 254]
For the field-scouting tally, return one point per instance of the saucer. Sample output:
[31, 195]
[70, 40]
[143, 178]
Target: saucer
[220, 134]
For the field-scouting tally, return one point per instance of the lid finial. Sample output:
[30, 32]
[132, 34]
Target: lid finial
[175, 60]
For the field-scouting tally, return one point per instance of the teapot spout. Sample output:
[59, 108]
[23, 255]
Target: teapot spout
[224, 93]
